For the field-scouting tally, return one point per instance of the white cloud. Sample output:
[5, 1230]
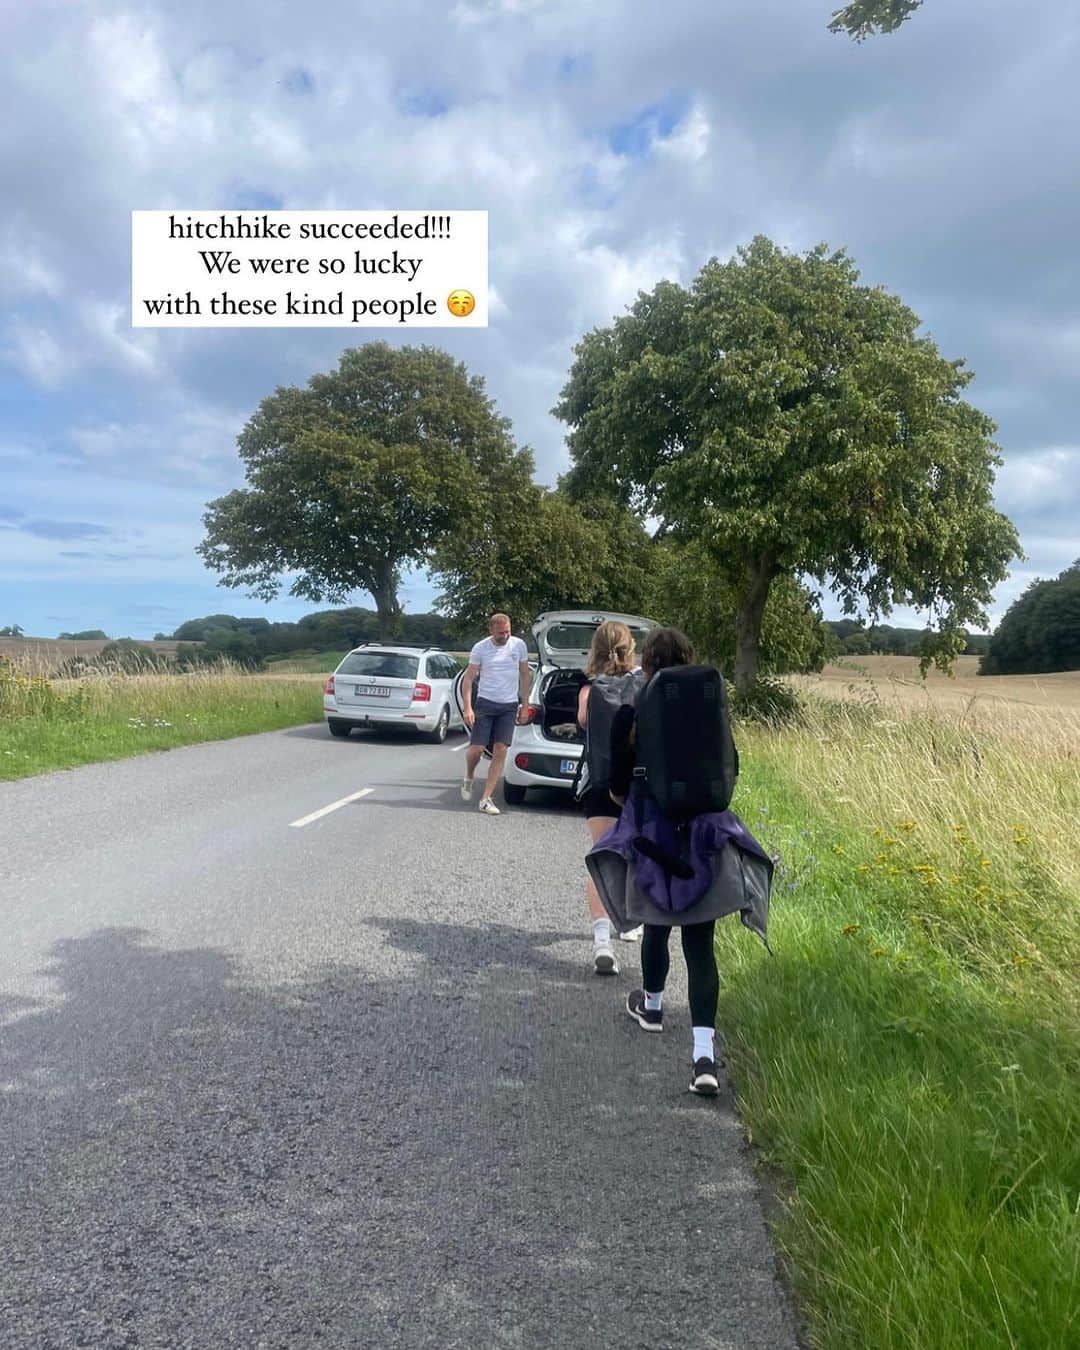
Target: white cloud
[1045, 480]
[36, 354]
[23, 268]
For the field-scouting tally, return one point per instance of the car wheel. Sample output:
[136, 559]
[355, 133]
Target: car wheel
[513, 794]
[338, 727]
[437, 736]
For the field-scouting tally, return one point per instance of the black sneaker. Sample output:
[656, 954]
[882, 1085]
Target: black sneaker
[648, 1019]
[704, 1080]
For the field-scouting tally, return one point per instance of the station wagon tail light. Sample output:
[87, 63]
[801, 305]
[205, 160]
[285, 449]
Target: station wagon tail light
[522, 761]
[329, 686]
[421, 693]
[532, 712]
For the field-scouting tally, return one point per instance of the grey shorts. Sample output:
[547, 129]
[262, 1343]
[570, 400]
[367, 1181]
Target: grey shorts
[494, 722]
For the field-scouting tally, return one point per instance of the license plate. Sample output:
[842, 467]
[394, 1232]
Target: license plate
[372, 691]
[568, 766]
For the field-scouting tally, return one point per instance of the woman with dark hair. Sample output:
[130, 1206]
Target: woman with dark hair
[665, 647]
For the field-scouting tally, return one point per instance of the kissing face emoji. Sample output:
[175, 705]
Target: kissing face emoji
[461, 303]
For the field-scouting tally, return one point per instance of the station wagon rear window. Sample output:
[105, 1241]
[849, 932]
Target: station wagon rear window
[388, 665]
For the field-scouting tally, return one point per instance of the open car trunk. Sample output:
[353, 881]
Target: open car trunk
[559, 691]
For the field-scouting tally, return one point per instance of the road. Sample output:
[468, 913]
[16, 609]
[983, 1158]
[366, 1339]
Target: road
[345, 1082]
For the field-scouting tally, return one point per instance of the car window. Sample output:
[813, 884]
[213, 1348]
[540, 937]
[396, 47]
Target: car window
[390, 665]
[577, 637]
[436, 668]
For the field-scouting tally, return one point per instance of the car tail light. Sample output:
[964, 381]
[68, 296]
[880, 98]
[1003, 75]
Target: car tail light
[421, 693]
[329, 686]
[522, 761]
[532, 712]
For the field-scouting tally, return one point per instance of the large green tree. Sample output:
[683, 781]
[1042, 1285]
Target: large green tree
[795, 423]
[691, 591]
[537, 550]
[359, 475]
[863, 18]
[1039, 632]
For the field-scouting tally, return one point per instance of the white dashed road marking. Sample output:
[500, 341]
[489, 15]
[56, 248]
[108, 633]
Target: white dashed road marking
[325, 811]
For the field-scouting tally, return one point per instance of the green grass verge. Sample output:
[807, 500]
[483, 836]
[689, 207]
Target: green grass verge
[908, 1059]
[140, 714]
[305, 663]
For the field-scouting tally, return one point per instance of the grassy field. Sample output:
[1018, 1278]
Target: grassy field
[45, 656]
[894, 681]
[322, 663]
[305, 663]
[59, 725]
[909, 1059]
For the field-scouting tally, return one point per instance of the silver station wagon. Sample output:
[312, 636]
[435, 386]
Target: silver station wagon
[384, 685]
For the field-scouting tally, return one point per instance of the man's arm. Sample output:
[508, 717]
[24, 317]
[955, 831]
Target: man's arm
[524, 685]
[471, 672]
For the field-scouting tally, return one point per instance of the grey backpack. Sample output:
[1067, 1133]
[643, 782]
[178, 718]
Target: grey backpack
[607, 694]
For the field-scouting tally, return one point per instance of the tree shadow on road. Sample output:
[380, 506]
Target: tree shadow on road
[480, 1151]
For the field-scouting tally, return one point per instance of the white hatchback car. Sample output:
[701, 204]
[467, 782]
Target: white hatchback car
[380, 685]
[546, 750]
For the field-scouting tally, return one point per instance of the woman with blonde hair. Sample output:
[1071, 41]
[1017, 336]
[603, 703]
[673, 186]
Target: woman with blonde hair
[614, 678]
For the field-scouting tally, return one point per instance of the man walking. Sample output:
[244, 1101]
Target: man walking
[502, 663]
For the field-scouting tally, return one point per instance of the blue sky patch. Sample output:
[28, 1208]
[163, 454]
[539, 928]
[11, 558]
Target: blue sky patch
[424, 103]
[634, 138]
[299, 81]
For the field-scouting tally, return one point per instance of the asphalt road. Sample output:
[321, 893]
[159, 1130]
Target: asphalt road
[343, 1083]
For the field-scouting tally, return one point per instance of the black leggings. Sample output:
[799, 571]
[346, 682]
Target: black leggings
[702, 977]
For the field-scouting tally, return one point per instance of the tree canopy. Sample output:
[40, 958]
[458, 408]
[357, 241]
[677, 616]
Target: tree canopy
[1040, 631]
[690, 591]
[359, 475]
[863, 18]
[537, 550]
[795, 423]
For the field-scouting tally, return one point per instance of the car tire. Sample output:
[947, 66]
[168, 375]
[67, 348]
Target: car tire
[513, 793]
[437, 736]
[337, 727]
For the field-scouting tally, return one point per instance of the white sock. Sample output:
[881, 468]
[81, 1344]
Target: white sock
[703, 1043]
[601, 932]
[654, 1002]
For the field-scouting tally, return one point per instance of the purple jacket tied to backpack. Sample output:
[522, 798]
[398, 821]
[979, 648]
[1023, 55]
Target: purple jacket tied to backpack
[729, 870]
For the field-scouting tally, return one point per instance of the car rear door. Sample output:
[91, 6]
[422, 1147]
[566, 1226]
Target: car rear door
[376, 681]
[563, 637]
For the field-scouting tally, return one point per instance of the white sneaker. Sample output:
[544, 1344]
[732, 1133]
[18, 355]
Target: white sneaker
[633, 935]
[604, 962]
[466, 789]
[488, 807]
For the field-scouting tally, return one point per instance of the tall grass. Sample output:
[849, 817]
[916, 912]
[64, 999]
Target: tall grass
[911, 1056]
[108, 714]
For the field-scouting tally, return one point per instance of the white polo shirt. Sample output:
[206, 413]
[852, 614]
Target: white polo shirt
[499, 669]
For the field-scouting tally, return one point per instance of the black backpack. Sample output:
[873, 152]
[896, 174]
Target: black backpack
[685, 751]
[607, 694]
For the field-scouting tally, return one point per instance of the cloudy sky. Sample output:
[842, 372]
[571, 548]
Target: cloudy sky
[613, 142]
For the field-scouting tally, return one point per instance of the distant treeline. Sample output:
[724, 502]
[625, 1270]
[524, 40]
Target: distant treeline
[1040, 631]
[251, 641]
[854, 639]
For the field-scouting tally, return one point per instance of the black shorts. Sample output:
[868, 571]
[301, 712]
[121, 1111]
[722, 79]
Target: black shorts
[597, 802]
[494, 722]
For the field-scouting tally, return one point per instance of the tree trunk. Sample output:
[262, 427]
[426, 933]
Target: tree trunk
[759, 577]
[387, 605]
